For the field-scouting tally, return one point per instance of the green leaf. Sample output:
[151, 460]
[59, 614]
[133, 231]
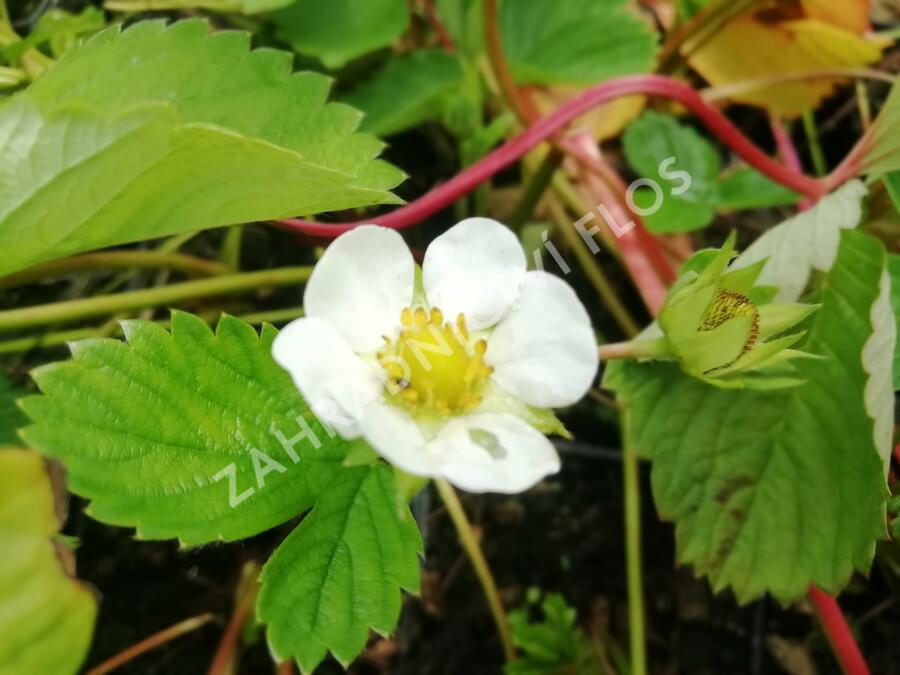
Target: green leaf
[193, 435]
[574, 42]
[746, 188]
[881, 144]
[685, 166]
[338, 31]
[894, 271]
[771, 491]
[682, 163]
[463, 20]
[340, 572]
[892, 185]
[196, 132]
[57, 28]
[409, 90]
[11, 418]
[553, 645]
[46, 616]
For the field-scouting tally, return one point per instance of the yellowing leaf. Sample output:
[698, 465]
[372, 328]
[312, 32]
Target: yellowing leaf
[783, 38]
[605, 121]
[46, 616]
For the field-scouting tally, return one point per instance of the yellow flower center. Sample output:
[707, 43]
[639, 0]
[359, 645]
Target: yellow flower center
[727, 305]
[433, 367]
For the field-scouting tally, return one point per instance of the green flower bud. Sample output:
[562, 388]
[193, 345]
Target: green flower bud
[721, 327]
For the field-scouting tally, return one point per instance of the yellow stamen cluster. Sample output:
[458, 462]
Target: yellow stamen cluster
[727, 305]
[433, 367]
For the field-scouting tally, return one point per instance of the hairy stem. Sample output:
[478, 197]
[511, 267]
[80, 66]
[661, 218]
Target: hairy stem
[113, 260]
[635, 349]
[594, 272]
[534, 189]
[151, 642]
[657, 85]
[470, 543]
[815, 145]
[632, 504]
[113, 327]
[224, 660]
[838, 632]
[84, 308]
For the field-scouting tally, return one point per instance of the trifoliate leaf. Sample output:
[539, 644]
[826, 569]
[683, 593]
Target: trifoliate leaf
[338, 31]
[340, 572]
[46, 616]
[577, 42]
[193, 435]
[196, 132]
[11, 417]
[553, 645]
[409, 90]
[772, 491]
[683, 168]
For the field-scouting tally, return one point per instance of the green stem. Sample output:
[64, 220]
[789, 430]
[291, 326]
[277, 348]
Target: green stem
[152, 642]
[110, 328]
[535, 188]
[635, 349]
[230, 255]
[58, 312]
[112, 260]
[594, 273]
[815, 146]
[632, 498]
[470, 543]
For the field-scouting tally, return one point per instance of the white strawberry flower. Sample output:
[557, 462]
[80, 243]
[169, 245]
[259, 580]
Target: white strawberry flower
[447, 374]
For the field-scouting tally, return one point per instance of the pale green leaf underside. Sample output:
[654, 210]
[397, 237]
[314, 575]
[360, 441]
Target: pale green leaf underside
[894, 270]
[197, 131]
[772, 491]
[46, 617]
[575, 42]
[340, 572]
[882, 142]
[805, 243]
[409, 90]
[338, 31]
[149, 428]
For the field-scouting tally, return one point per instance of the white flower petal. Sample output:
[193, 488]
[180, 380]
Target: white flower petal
[397, 438]
[360, 285]
[475, 268]
[544, 352]
[493, 453]
[335, 382]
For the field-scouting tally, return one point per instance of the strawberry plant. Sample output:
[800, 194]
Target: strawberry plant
[282, 273]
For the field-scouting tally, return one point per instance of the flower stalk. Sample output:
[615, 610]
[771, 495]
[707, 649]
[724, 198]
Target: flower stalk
[482, 570]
